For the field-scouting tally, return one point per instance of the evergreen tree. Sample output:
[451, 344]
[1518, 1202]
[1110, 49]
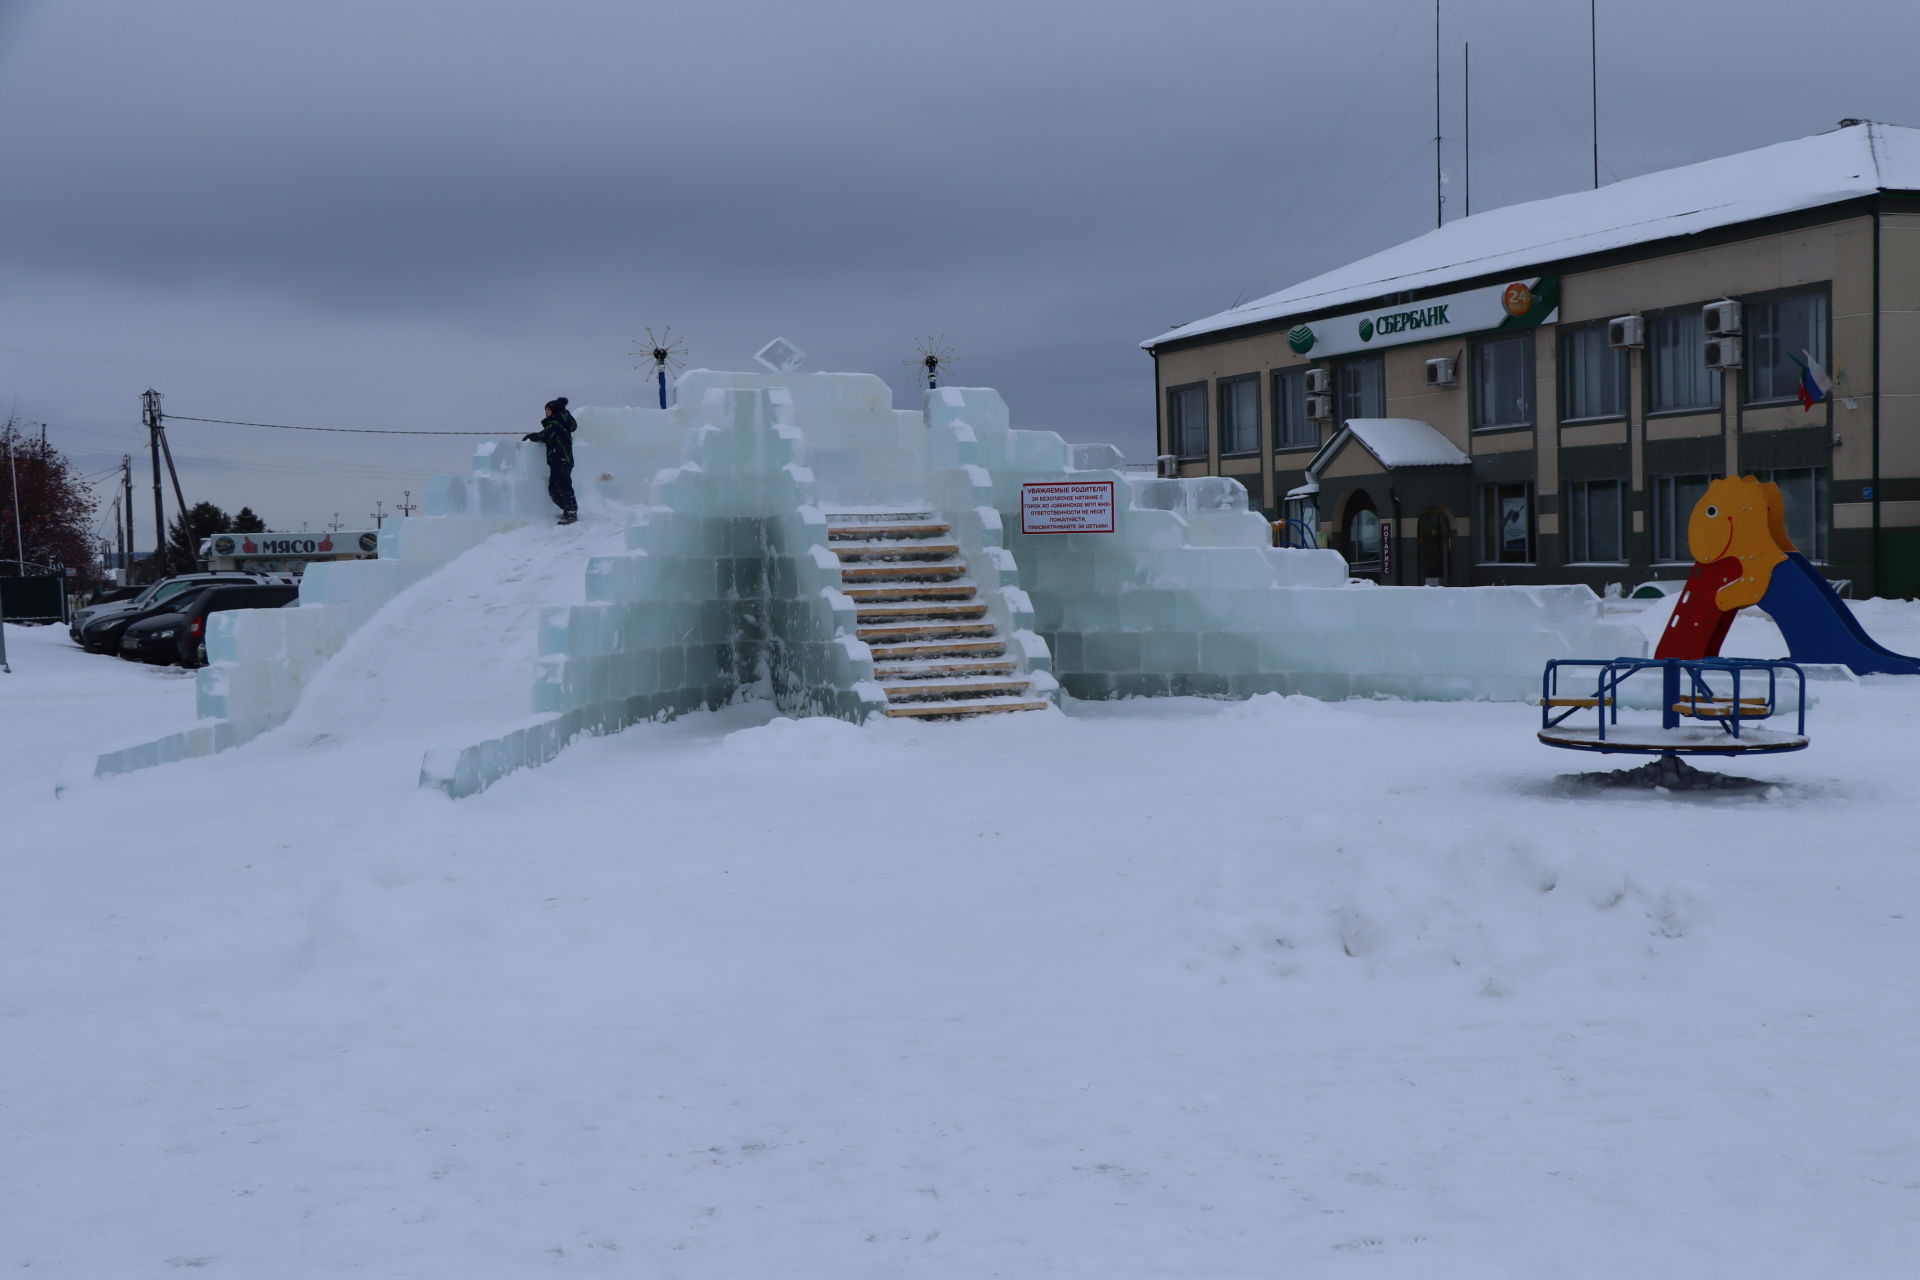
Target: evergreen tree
[185, 534]
[56, 509]
[245, 521]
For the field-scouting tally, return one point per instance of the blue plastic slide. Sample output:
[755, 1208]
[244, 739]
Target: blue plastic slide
[1819, 627]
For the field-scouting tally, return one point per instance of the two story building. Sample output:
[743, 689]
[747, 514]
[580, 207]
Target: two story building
[1540, 393]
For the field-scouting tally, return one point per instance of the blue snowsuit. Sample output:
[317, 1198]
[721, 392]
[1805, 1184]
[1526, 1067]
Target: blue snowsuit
[556, 433]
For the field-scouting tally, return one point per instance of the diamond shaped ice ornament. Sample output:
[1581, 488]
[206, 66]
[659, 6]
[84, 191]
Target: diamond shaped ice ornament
[780, 356]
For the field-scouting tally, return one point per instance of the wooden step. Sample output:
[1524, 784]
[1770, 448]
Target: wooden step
[928, 530]
[926, 631]
[908, 610]
[980, 707]
[901, 571]
[921, 591]
[942, 649]
[892, 550]
[955, 688]
[897, 671]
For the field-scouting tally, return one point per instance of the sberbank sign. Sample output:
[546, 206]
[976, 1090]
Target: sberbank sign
[1519, 304]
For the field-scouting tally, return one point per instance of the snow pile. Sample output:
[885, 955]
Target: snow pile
[724, 997]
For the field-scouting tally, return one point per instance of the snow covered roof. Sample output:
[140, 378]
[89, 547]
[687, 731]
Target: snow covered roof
[1393, 442]
[1786, 177]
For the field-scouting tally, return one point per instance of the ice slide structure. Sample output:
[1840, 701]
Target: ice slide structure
[796, 537]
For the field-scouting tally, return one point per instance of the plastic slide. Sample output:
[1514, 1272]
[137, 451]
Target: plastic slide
[1742, 556]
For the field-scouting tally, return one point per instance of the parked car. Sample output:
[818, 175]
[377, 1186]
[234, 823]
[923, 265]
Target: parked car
[181, 636]
[156, 593]
[102, 634]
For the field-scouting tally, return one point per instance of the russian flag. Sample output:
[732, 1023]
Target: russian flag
[1814, 382]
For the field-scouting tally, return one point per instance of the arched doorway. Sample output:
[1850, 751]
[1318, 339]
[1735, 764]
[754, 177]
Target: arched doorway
[1360, 532]
[1436, 547]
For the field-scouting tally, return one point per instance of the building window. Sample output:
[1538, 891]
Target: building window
[1808, 515]
[1503, 382]
[1240, 414]
[1673, 499]
[1593, 376]
[1781, 334]
[1506, 524]
[1187, 419]
[1596, 522]
[1291, 427]
[1360, 388]
[1678, 379]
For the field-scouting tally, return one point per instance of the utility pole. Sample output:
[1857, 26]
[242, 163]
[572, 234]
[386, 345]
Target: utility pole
[335, 526]
[150, 414]
[19, 539]
[379, 517]
[126, 514]
[120, 531]
[406, 506]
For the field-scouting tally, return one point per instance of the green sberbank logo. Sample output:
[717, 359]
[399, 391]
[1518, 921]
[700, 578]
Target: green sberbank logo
[1366, 331]
[1300, 339]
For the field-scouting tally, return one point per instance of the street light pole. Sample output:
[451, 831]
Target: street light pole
[19, 540]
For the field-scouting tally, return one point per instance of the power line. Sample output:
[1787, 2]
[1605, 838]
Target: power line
[360, 431]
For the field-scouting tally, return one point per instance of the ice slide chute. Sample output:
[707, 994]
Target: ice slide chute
[1743, 556]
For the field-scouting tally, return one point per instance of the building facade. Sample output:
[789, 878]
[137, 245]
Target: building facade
[1540, 394]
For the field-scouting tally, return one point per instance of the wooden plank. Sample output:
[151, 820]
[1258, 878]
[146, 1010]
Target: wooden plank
[954, 648]
[925, 591]
[1723, 710]
[926, 631]
[897, 549]
[936, 689]
[910, 670]
[932, 709]
[887, 531]
[859, 572]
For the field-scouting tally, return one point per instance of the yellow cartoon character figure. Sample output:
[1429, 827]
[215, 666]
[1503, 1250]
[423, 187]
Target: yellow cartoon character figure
[1742, 519]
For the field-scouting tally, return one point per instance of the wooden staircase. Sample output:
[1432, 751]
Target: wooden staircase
[935, 651]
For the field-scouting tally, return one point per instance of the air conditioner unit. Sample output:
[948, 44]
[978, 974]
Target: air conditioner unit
[1626, 331]
[1722, 318]
[1723, 353]
[1441, 372]
[1319, 408]
[1319, 382]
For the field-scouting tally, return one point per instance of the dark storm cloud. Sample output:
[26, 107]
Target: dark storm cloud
[438, 214]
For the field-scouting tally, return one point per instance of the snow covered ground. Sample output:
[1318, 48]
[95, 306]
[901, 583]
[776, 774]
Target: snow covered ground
[1152, 989]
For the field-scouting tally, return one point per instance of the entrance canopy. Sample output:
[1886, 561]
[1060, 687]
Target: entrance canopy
[1393, 443]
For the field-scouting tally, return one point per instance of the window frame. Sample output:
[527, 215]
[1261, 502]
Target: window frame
[1563, 338]
[1650, 378]
[1583, 505]
[1666, 519]
[1748, 306]
[1489, 542]
[1177, 429]
[1281, 393]
[1341, 367]
[1822, 477]
[1522, 340]
[1222, 389]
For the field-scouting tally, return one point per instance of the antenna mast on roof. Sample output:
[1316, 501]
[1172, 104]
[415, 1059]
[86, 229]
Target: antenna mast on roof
[1439, 196]
[1593, 81]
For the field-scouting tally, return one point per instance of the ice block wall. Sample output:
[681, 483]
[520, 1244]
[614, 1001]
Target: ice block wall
[1188, 596]
[725, 585]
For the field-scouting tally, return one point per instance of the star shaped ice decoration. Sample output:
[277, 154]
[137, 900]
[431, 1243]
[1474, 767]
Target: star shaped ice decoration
[780, 356]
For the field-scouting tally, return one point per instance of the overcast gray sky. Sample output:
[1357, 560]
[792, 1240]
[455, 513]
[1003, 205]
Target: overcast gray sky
[439, 213]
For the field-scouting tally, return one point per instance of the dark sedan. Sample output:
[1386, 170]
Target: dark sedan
[181, 637]
[102, 634]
